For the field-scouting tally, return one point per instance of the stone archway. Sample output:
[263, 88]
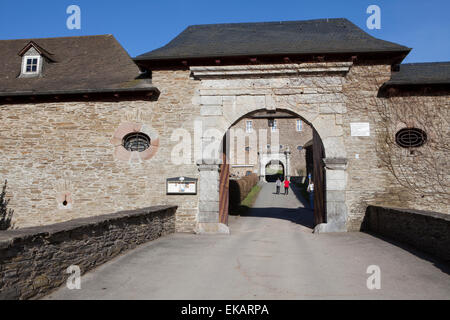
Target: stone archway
[312, 91]
[272, 176]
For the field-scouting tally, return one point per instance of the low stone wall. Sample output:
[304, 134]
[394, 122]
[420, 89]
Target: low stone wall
[34, 261]
[425, 231]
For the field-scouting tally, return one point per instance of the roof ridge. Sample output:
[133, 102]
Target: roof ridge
[268, 22]
[422, 63]
[67, 37]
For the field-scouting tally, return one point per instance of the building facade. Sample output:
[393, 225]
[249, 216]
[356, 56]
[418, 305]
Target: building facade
[86, 130]
[267, 139]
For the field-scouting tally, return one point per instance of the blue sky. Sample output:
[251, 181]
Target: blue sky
[144, 25]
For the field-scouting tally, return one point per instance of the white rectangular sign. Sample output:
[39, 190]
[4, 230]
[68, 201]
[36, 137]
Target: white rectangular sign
[182, 188]
[360, 129]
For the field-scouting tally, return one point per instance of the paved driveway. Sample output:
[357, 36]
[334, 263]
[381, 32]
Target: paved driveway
[271, 254]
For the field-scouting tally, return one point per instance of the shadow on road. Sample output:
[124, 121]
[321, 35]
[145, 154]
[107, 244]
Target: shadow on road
[444, 266]
[299, 216]
[298, 194]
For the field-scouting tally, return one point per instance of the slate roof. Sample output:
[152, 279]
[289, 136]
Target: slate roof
[271, 38]
[88, 64]
[421, 73]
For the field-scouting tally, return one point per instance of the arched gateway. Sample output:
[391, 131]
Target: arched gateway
[312, 91]
[272, 169]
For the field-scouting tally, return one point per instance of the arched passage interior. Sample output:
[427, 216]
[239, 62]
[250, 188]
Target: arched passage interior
[317, 157]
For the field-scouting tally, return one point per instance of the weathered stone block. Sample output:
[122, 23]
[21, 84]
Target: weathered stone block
[211, 110]
[335, 196]
[332, 108]
[335, 175]
[336, 185]
[208, 217]
[208, 206]
[212, 228]
[211, 100]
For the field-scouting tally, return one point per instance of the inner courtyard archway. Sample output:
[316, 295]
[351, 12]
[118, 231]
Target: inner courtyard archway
[274, 170]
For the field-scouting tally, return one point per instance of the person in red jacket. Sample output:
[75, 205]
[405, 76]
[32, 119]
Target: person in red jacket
[286, 186]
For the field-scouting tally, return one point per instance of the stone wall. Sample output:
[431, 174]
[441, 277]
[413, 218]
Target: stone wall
[369, 180]
[366, 179]
[34, 261]
[426, 231]
[175, 110]
[51, 152]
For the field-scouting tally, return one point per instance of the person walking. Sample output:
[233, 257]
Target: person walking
[286, 186]
[311, 194]
[278, 185]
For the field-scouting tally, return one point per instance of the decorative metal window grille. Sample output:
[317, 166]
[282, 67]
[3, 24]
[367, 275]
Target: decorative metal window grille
[136, 141]
[411, 138]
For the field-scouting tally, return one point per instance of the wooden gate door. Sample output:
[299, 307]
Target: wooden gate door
[319, 180]
[224, 186]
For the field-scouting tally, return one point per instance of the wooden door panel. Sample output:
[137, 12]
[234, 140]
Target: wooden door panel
[224, 186]
[319, 180]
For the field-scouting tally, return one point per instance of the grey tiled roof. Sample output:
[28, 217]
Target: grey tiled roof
[271, 38]
[79, 64]
[421, 73]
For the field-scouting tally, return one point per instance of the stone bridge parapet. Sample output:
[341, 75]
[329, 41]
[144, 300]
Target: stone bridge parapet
[34, 261]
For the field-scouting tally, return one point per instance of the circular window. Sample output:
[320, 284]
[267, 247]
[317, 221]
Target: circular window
[411, 138]
[136, 141]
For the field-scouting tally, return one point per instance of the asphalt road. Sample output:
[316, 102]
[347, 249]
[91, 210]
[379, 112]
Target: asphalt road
[271, 254]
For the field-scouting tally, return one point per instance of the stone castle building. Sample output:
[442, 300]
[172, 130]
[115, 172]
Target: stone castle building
[279, 138]
[87, 130]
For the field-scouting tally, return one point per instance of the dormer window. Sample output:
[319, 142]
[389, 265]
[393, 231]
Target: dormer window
[31, 65]
[33, 59]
